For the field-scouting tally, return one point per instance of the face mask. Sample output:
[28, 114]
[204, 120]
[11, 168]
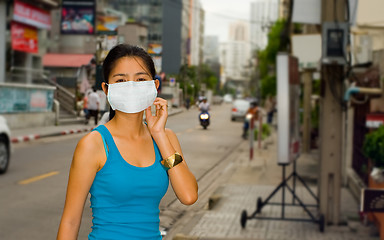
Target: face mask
[131, 96]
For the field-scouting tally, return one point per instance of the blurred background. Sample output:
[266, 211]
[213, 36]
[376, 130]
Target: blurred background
[325, 96]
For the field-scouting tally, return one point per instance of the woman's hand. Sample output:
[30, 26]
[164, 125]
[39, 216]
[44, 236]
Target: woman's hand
[156, 124]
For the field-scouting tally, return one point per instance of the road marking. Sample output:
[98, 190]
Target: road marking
[37, 178]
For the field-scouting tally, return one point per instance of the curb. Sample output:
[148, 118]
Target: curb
[31, 137]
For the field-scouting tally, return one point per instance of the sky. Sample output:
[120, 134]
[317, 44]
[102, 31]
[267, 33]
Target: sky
[220, 13]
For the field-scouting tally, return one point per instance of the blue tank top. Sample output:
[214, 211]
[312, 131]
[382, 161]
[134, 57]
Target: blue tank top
[124, 198]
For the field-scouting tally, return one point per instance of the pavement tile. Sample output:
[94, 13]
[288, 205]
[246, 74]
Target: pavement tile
[244, 188]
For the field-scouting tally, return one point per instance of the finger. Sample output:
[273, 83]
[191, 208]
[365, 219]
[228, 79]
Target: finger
[157, 109]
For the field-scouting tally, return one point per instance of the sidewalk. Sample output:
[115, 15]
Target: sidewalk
[30, 134]
[258, 178]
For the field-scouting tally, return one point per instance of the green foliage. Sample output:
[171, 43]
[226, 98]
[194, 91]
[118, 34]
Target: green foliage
[194, 76]
[267, 60]
[373, 147]
[265, 131]
[268, 86]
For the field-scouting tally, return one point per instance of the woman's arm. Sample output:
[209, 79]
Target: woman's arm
[85, 163]
[183, 181]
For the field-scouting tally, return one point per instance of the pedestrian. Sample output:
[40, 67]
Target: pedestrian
[253, 111]
[93, 106]
[270, 106]
[127, 163]
[85, 105]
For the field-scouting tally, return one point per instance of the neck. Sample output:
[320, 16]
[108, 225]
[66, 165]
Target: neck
[129, 124]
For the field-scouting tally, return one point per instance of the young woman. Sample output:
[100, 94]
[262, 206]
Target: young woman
[126, 164]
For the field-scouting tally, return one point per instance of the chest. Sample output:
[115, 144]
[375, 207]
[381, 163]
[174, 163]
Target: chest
[139, 153]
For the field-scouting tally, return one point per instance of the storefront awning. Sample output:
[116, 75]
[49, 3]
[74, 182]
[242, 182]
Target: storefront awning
[66, 60]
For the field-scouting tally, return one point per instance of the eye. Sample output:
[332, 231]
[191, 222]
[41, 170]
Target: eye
[120, 80]
[141, 79]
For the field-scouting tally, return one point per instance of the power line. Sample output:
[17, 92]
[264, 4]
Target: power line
[179, 3]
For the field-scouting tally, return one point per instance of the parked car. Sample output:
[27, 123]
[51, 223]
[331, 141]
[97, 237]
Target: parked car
[227, 98]
[217, 99]
[5, 145]
[239, 109]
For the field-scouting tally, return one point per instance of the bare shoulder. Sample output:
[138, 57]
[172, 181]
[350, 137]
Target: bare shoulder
[89, 149]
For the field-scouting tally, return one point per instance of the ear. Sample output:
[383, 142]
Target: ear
[104, 87]
[157, 83]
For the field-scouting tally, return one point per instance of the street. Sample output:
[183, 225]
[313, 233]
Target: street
[33, 190]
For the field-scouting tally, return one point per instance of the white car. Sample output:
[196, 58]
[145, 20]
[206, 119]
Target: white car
[227, 98]
[239, 109]
[5, 145]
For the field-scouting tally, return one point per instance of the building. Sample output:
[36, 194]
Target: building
[169, 28]
[235, 56]
[263, 14]
[196, 33]
[24, 93]
[211, 49]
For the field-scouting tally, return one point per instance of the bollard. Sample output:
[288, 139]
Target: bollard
[251, 138]
[259, 134]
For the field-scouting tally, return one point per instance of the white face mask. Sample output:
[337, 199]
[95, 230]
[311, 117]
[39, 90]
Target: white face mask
[131, 96]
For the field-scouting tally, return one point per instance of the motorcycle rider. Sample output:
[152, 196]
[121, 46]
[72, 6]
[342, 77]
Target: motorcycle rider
[254, 111]
[204, 108]
[204, 105]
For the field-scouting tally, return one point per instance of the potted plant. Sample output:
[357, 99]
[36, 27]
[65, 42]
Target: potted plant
[373, 148]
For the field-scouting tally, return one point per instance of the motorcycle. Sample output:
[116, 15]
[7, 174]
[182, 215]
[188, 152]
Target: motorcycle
[204, 119]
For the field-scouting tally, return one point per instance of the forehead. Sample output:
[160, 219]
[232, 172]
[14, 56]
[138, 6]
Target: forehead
[129, 65]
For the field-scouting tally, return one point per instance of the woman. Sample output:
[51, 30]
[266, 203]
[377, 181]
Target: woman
[126, 164]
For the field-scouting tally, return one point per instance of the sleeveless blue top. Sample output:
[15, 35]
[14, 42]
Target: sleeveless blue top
[124, 198]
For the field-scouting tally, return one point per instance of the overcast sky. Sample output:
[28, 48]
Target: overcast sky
[220, 13]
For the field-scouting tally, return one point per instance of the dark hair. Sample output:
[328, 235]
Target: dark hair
[126, 50]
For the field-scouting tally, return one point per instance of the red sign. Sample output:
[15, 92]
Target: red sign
[24, 38]
[374, 120]
[30, 15]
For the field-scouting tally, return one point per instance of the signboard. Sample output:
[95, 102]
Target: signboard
[107, 24]
[307, 48]
[78, 17]
[24, 38]
[107, 43]
[25, 99]
[30, 15]
[372, 200]
[374, 120]
[155, 49]
[307, 11]
[288, 96]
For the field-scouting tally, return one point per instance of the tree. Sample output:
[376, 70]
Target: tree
[191, 78]
[267, 59]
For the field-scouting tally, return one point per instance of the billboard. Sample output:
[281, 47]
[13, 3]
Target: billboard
[78, 17]
[24, 38]
[155, 49]
[30, 15]
[288, 97]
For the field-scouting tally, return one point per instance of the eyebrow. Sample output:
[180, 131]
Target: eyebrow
[123, 74]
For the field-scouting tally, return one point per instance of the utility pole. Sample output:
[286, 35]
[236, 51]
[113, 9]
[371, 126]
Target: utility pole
[331, 124]
[307, 79]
